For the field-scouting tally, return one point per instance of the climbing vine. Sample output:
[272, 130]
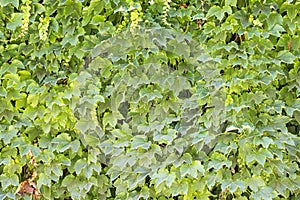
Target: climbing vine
[109, 99]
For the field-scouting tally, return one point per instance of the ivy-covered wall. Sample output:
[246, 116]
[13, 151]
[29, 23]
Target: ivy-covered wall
[158, 99]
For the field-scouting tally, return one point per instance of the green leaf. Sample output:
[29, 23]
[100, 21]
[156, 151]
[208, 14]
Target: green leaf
[63, 160]
[297, 116]
[197, 167]
[292, 12]
[4, 3]
[140, 141]
[9, 134]
[214, 11]
[218, 161]
[80, 165]
[97, 19]
[84, 125]
[3, 92]
[192, 169]
[91, 140]
[75, 145]
[286, 56]
[260, 158]
[71, 39]
[12, 77]
[184, 170]
[264, 193]
[16, 21]
[44, 179]
[170, 179]
[62, 141]
[68, 180]
[255, 183]
[161, 176]
[150, 94]
[109, 118]
[230, 3]
[9, 179]
[265, 141]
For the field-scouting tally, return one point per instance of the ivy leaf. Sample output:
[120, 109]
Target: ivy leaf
[218, 11]
[297, 116]
[62, 141]
[197, 167]
[292, 12]
[218, 161]
[68, 180]
[9, 134]
[80, 165]
[9, 179]
[150, 94]
[161, 176]
[84, 125]
[264, 193]
[44, 179]
[4, 3]
[63, 160]
[97, 19]
[286, 56]
[237, 184]
[165, 138]
[108, 118]
[255, 183]
[230, 3]
[192, 169]
[16, 21]
[170, 179]
[213, 11]
[177, 84]
[265, 141]
[140, 141]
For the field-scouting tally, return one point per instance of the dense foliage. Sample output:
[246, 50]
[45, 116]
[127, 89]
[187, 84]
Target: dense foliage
[159, 99]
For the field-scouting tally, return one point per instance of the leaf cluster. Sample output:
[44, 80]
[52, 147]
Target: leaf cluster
[110, 99]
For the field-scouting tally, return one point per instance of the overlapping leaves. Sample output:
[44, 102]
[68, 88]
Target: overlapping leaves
[204, 104]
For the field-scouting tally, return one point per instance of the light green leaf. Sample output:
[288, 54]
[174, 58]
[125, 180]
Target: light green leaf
[261, 159]
[75, 145]
[63, 142]
[84, 125]
[79, 165]
[197, 166]
[286, 56]
[16, 21]
[184, 170]
[8, 179]
[63, 160]
[218, 161]
[4, 3]
[150, 94]
[214, 11]
[140, 141]
[292, 12]
[68, 180]
[56, 169]
[44, 179]
[91, 140]
[3, 92]
[97, 19]
[110, 119]
[12, 77]
[161, 176]
[255, 183]
[170, 179]
[230, 2]
[9, 134]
